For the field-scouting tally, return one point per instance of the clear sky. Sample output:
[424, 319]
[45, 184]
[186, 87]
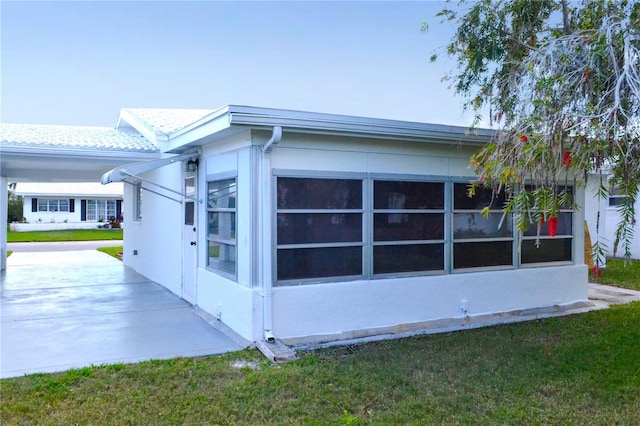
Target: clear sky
[78, 63]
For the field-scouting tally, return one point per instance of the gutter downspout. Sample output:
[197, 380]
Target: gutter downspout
[266, 232]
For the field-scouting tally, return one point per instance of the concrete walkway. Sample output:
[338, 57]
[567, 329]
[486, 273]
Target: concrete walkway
[61, 246]
[70, 309]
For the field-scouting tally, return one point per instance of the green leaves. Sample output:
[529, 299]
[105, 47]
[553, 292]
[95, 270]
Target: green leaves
[566, 76]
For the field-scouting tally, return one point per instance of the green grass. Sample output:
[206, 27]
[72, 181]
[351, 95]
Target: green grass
[616, 274]
[66, 235]
[112, 251]
[581, 369]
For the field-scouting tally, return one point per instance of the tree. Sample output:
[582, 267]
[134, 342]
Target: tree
[561, 83]
[14, 206]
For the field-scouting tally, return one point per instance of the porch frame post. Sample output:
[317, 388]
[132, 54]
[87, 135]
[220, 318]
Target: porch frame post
[4, 212]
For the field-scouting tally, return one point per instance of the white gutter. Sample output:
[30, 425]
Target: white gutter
[266, 234]
[310, 122]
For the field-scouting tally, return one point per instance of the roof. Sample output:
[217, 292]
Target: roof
[165, 121]
[191, 128]
[73, 137]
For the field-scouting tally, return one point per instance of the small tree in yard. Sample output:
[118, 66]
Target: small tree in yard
[14, 205]
[561, 82]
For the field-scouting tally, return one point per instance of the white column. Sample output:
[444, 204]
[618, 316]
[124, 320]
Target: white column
[4, 205]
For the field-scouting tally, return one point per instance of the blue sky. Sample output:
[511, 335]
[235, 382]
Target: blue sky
[78, 63]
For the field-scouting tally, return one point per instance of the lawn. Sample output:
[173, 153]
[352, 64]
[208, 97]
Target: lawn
[581, 369]
[113, 251]
[66, 235]
[616, 274]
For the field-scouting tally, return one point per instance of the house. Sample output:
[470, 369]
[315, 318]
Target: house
[308, 227]
[68, 205]
[603, 217]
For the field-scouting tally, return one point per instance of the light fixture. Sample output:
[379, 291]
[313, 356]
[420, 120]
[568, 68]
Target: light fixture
[192, 165]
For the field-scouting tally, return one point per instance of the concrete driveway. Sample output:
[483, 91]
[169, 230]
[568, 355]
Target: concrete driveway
[70, 309]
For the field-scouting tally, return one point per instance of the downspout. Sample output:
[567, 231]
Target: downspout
[265, 232]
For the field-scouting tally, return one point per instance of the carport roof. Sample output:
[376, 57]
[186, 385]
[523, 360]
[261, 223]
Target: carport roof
[48, 153]
[48, 137]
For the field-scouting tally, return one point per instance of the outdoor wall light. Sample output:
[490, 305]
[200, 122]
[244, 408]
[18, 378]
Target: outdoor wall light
[192, 166]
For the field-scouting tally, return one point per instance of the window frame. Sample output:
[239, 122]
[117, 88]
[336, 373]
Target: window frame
[137, 202]
[515, 237]
[222, 241]
[452, 211]
[616, 194]
[51, 202]
[388, 243]
[276, 211]
[98, 213]
[557, 237]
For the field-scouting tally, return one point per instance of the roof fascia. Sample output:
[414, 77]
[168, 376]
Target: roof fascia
[219, 123]
[308, 122]
[66, 152]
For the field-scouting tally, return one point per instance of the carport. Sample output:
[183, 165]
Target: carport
[43, 153]
[68, 309]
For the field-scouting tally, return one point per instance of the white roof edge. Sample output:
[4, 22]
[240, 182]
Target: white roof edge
[133, 121]
[215, 114]
[73, 152]
[333, 123]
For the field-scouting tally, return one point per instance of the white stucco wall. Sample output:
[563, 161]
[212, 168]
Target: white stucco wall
[50, 217]
[353, 309]
[356, 308]
[339, 309]
[609, 220]
[612, 222]
[232, 301]
[157, 237]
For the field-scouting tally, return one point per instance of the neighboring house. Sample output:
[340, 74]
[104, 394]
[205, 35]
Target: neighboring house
[49, 153]
[310, 227]
[609, 218]
[70, 202]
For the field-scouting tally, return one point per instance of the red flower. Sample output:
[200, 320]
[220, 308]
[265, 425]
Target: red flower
[596, 271]
[524, 139]
[553, 226]
[585, 40]
[566, 159]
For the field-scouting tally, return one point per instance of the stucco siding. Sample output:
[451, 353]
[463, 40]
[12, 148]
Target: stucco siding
[157, 237]
[330, 311]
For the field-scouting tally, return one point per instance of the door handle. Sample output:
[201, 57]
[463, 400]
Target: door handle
[193, 243]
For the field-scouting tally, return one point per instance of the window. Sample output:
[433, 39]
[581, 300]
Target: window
[477, 240]
[319, 228]
[53, 205]
[350, 228]
[616, 197]
[545, 248]
[101, 210]
[221, 229]
[408, 226]
[137, 201]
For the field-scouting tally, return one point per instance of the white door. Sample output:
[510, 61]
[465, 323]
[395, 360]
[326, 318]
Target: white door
[189, 239]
